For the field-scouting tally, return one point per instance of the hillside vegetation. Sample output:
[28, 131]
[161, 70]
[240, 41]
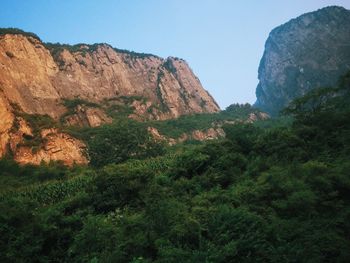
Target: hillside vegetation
[275, 192]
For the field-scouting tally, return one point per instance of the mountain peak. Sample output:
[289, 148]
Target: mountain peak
[307, 52]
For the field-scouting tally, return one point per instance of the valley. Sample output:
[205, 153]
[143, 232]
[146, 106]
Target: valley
[109, 155]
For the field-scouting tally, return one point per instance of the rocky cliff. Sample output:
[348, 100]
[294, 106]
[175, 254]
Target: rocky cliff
[310, 51]
[85, 85]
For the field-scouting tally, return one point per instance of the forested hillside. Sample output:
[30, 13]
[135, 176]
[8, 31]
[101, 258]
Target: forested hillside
[271, 191]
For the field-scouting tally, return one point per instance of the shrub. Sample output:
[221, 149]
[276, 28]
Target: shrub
[4, 31]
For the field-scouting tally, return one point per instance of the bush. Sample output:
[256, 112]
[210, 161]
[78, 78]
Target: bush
[117, 187]
[4, 31]
[121, 141]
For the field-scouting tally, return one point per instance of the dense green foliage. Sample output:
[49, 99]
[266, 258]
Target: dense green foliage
[188, 123]
[72, 103]
[273, 193]
[121, 141]
[56, 49]
[133, 54]
[16, 31]
[126, 138]
[13, 175]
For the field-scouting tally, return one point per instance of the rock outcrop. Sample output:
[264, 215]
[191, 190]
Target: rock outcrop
[214, 132]
[87, 116]
[310, 51]
[56, 147]
[196, 135]
[6, 123]
[48, 145]
[38, 78]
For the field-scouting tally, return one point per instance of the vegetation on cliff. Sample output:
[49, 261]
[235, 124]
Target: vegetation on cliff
[57, 48]
[16, 31]
[188, 123]
[271, 194]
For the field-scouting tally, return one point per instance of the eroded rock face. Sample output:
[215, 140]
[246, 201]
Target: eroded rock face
[257, 116]
[6, 122]
[209, 134]
[36, 80]
[27, 70]
[31, 78]
[307, 52]
[55, 146]
[50, 145]
[197, 135]
[87, 116]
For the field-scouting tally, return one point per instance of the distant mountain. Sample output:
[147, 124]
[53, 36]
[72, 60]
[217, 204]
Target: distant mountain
[308, 52]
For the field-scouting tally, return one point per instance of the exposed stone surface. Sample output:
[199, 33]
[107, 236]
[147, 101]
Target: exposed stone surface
[257, 116]
[56, 147]
[87, 116]
[36, 80]
[310, 51]
[156, 135]
[37, 83]
[197, 135]
[33, 80]
[52, 145]
[16, 137]
[26, 79]
[209, 134]
[6, 122]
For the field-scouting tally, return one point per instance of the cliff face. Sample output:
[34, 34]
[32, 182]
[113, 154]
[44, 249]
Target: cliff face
[37, 82]
[37, 78]
[310, 51]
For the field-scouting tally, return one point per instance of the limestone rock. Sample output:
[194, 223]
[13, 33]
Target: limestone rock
[6, 123]
[36, 78]
[209, 134]
[57, 147]
[310, 51]
[87, 116]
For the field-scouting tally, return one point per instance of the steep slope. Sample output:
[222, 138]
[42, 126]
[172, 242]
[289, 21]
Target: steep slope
[37, 81]
[85, 84]
[310, 51]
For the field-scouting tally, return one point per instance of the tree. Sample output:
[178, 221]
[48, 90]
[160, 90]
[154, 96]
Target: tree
[120, 141]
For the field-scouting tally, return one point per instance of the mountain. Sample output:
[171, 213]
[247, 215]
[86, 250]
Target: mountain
[308, 52]
[84, 85]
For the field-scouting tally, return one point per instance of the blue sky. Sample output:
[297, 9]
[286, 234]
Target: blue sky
[222, 40]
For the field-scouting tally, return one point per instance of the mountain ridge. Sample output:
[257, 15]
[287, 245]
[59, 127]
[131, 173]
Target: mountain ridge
[85, 85]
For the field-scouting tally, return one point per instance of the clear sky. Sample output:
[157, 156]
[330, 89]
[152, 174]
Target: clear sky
[222, 40]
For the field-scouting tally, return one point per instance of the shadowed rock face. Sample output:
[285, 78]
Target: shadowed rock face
[310, 51]
[36, 78]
